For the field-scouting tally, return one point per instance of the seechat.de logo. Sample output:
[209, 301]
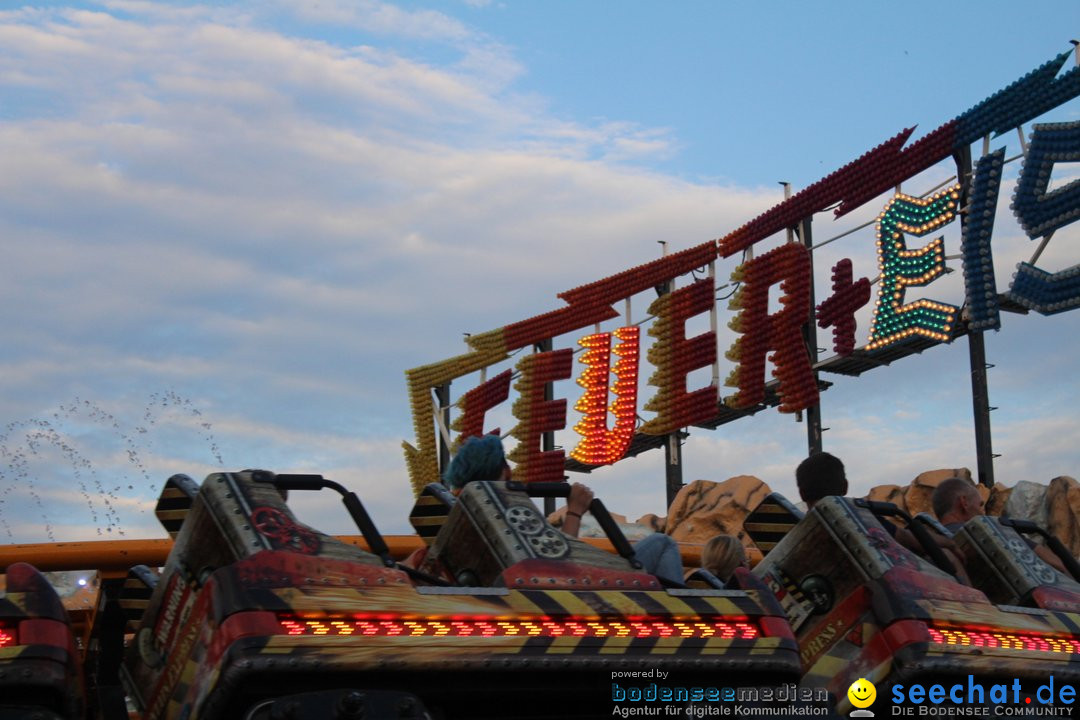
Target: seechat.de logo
[862, 694]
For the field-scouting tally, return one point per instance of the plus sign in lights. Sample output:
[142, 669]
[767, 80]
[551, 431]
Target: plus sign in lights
[901, 268]
[839, 310]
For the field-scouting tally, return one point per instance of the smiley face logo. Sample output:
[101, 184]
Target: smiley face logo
[862, 693]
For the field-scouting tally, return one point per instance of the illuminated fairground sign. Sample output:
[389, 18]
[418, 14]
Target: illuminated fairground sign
[609, 362]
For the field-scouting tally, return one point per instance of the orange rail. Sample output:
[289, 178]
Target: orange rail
[113, 557]
[108, 556]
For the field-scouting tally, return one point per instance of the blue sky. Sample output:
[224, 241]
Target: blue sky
[229, 228]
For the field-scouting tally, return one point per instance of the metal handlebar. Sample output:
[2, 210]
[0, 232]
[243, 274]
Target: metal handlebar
[918, 529]
[351, 501]
[359, 514]
[1027, 527]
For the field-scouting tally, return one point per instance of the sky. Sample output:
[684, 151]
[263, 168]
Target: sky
[229, 228]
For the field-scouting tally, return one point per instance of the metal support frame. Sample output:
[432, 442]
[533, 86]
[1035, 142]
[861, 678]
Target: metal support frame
[980, 393]
[106, 652]
[673, 476]
[547, 440]
[442, 396]
[673, 466]
[813, 413]
[980, 401]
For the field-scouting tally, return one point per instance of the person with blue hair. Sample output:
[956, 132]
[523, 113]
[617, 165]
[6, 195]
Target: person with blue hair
[479, 458]
[483, 458]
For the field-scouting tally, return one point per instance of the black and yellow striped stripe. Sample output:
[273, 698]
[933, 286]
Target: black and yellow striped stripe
[135, 594]
[175, 502]
[431, 510]
[771, 520]
[314, 600]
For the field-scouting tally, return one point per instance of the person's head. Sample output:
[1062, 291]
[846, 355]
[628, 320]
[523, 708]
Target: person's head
[478, 458]
[722, 554]
[820, 475]
[957, 500]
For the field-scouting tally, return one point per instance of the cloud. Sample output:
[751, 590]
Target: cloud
[271, 224]
[268, 222]
[386, 18]
[482, 59]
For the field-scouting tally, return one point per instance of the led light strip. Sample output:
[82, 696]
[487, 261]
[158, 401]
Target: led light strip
[488, 627]
[1005, 641]
[7, 636]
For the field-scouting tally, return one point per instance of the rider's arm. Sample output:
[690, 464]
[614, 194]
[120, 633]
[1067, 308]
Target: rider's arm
[576, 506]
[1049, 557]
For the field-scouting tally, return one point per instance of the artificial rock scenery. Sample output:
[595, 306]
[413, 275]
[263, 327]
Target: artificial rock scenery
[704, 508]
[1055, 506]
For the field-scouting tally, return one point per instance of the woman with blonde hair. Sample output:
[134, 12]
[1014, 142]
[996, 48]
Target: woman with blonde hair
[722, 554]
